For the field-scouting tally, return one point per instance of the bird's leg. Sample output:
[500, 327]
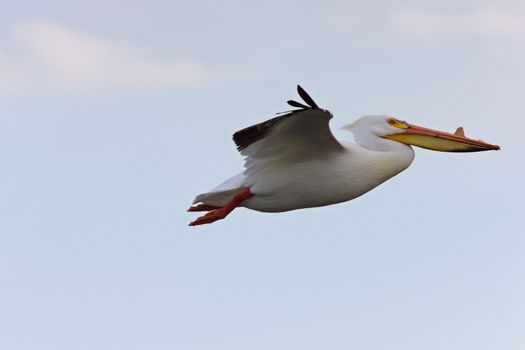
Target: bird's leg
[221, 213]
[202, 207]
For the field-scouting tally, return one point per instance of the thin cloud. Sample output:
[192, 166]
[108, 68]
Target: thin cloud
[43, 55]
[484, 24]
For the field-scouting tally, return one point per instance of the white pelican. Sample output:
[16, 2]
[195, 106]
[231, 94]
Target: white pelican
[293, 161]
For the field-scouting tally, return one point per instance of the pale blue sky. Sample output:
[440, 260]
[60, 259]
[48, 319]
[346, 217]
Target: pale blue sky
[114, 114]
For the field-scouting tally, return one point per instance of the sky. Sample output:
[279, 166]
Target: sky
[115, 114]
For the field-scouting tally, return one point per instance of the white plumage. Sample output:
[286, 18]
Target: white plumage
[293, 161]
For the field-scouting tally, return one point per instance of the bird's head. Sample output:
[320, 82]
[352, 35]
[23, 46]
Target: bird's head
[398, 130]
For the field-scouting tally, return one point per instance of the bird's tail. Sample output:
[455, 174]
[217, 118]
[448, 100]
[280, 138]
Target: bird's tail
[216, 198]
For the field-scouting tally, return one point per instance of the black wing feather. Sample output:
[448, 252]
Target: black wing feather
[245, 137]
[304, 95]
[297, 104]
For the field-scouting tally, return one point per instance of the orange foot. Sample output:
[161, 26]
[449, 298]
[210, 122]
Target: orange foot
[208, 218]
[202, 207]
[220, 213]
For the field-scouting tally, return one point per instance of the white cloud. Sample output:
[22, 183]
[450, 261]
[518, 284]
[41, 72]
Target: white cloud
[47, 56]
[484, 23]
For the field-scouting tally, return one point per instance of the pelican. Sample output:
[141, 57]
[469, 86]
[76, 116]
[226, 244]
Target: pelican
[293, 161]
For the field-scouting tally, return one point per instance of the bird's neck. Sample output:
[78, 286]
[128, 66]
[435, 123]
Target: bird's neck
[375, 143]
[396, 153]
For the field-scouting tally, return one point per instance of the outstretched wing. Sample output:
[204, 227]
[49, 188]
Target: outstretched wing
[297, 135]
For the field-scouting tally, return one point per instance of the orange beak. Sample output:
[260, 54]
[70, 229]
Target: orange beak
[440, 141]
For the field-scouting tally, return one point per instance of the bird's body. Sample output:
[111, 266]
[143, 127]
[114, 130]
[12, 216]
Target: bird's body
[283, 186]
[293, 161]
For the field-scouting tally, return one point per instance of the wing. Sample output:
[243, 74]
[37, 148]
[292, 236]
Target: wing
[297, 135]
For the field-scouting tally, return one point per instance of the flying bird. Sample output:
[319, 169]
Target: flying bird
[293, 161]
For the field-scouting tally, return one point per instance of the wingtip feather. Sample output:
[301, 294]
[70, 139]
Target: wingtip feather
[306, 98]
[297, 104]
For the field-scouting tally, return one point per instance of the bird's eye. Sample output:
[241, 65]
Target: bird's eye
[391, 121]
